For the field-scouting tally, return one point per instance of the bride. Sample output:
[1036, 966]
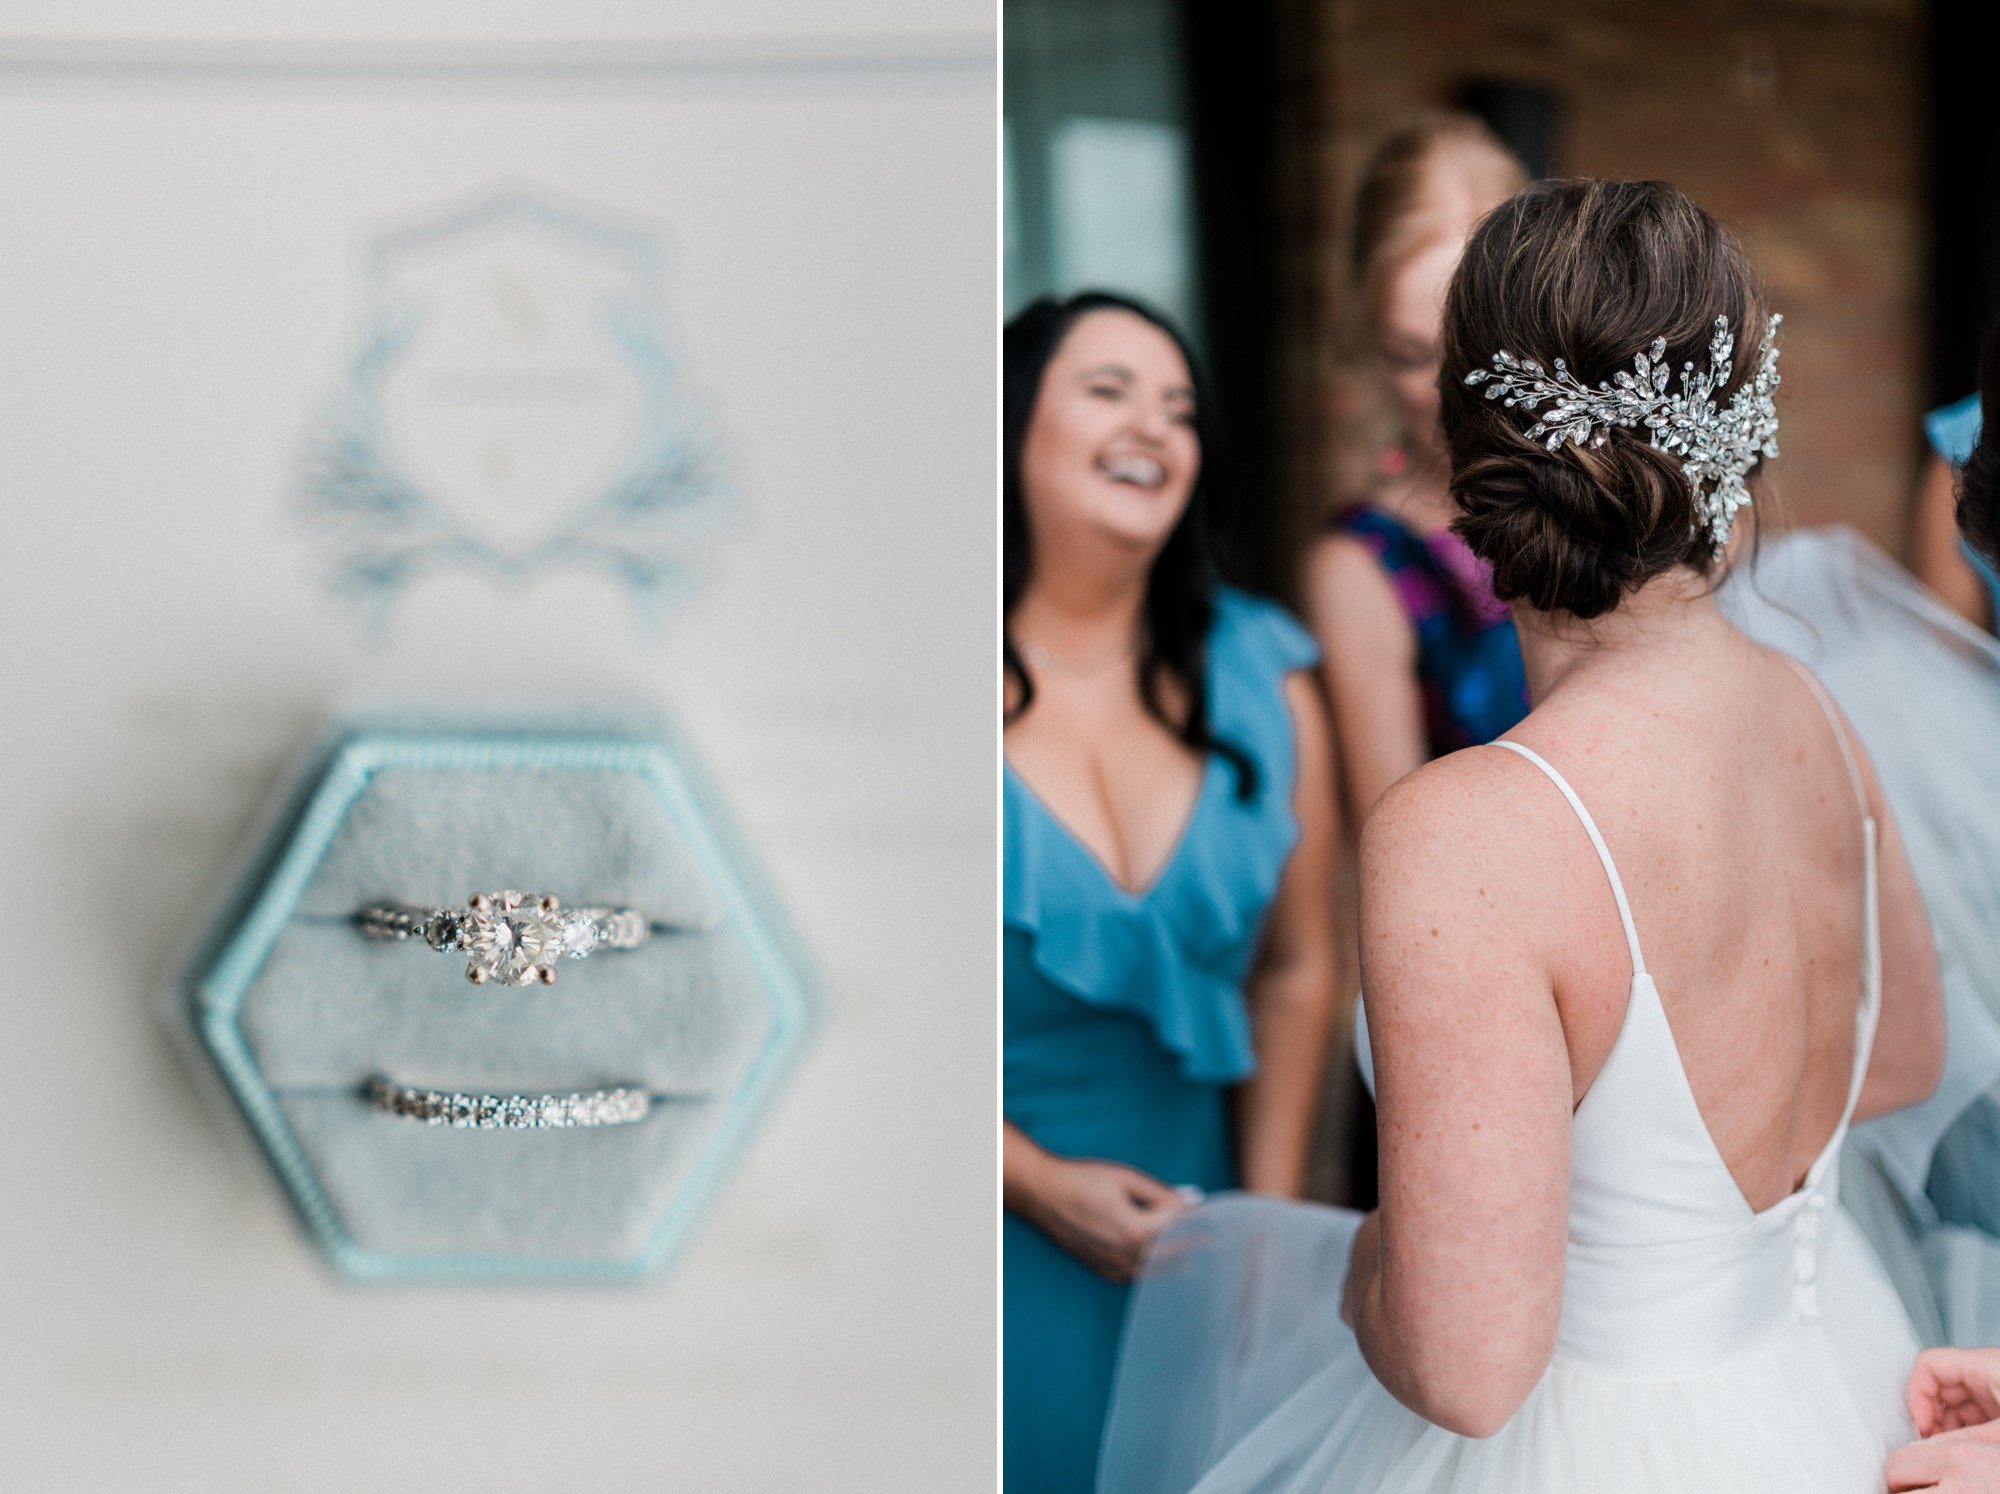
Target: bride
[1631, 973]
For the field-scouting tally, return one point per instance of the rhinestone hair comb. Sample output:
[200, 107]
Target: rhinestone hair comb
[1717, 446]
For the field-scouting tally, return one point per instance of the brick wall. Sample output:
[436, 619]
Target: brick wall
[1801, 124]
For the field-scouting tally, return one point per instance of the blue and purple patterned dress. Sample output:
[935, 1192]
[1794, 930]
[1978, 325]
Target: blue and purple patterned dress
[1468, 659]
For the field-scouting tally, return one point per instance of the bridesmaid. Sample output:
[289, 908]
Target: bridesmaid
[1977, 459]
[1420, 660]
[1170, 833]
[1961, 577]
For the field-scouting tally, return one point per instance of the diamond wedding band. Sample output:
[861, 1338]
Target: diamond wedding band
[488, 1112]
[509, 940]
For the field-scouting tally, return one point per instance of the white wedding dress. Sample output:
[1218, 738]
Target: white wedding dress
[1704, 1347]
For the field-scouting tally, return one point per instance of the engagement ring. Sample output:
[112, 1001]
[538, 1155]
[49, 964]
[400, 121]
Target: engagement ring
[509, 940]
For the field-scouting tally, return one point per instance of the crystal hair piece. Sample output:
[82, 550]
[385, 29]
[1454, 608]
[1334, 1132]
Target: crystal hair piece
[1717, 447]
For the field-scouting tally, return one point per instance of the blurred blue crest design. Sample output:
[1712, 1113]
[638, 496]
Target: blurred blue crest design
[514, 406]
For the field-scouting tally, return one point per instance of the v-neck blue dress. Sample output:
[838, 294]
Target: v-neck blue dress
[1124, 1026]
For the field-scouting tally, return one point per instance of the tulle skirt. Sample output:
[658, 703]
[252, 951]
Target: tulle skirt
[1236, 1375]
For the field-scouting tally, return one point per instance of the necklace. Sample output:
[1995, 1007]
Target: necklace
[1050, 662]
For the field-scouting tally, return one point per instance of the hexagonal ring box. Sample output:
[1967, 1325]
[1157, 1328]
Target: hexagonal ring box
[299, 1012]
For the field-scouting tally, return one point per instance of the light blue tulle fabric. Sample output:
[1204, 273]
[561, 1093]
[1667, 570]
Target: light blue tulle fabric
[1125, 1023]
[1258, 1388]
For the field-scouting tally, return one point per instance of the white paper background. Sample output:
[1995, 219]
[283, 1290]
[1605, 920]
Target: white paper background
[179, 290]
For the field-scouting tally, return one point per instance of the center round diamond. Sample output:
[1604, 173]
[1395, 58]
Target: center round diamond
[505, 944]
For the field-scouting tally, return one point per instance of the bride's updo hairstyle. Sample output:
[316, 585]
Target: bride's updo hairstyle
[1590, 272]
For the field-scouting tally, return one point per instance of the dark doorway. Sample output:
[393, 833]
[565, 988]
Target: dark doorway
[1964, 196]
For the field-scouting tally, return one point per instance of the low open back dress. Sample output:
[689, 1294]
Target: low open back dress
[1703, 1346]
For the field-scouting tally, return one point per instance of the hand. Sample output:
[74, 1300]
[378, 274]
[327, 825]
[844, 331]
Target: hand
[1103, 1213]
[1962, 1462]
[1954, 1388]
[1362, 1261]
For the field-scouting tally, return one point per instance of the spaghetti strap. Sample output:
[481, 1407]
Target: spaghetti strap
[1597, 840]
[1839, 732]
[1869, 1012]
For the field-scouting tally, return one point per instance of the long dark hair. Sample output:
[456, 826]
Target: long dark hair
[1180, 590]
[1979, 478]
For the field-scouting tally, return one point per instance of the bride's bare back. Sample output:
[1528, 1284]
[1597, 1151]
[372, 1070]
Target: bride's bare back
[1716, 780]
[1498, 974]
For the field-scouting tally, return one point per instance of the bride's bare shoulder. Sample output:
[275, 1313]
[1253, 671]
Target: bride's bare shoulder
[1480, 831]
[1468, 798]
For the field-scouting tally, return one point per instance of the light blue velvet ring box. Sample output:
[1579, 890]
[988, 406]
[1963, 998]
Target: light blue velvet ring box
[297, 1010]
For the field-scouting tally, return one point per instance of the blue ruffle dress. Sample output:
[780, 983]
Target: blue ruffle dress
[1124, 1025]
